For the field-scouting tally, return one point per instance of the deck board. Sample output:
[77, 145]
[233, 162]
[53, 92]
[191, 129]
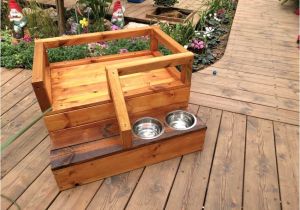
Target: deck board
[250, 107]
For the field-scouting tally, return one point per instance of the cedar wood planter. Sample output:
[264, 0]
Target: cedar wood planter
[95, 101]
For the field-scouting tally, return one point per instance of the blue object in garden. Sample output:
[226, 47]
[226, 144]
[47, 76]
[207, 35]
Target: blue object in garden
[136, 1]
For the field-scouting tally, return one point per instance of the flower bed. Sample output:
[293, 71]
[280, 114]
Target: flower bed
[207, 40]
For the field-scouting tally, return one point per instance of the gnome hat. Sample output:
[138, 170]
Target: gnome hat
[14, 5]
[117, 6]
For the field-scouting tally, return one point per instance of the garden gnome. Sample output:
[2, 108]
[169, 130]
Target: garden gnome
[117, 18]
[17, 18]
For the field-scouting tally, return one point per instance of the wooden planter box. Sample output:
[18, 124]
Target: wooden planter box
[94, 102]
[156, 15]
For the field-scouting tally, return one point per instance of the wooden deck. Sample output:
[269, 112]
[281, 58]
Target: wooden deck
[250, 156]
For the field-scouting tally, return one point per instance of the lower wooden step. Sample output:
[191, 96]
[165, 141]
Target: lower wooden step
[116, 163]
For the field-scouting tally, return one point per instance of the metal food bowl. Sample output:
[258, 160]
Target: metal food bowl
[148, 128]
[181, 120]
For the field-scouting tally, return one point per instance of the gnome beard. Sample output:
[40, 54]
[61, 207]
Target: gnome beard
[17, 18]
[118, 15]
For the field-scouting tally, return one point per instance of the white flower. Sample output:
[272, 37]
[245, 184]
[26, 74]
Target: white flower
[209, 30]
[210, 15]
[217, 19]
[185, 46]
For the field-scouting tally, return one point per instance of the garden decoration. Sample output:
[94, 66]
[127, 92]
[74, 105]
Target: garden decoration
[115, 113]
[117, 18]
[17, 18]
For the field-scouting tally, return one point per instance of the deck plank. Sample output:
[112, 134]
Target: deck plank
[115, 191]
[261, 190]
[76, 198]
[15, 82]
[189, 187]
[7, 75]
[226, 179]
[22, 146]
[15, 183]
[287, 147]
[40, 194]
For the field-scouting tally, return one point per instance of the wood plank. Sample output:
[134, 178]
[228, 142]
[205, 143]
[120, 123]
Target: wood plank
[251, 77]
[146, 155]
[22, 147]
[155, 63]
[76, 198]
[247, 86]
[93, 37]
[134, 105]
[15, 82]
[251, 109]
[120, 106]
[245, 67]
[189, 188]
[15, 96]
[226, 179]
[21, 176]
[154, 186]
[287, 148]
[246, 96]
[40, 193]
[115, 191]
[20, 122]
[7, 74]
[261, 190]
[18, 109]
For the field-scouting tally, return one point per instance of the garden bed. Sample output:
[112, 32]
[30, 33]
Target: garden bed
[207, 40]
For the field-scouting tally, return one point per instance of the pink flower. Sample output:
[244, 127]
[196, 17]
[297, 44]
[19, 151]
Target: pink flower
[114, 28]
[27, 38]
[123, 51]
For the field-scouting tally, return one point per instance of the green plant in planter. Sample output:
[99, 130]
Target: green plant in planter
[165, 3]
[99, 9]
[182, 33]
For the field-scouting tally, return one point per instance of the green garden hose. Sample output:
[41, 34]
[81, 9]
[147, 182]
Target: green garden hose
[12, 138]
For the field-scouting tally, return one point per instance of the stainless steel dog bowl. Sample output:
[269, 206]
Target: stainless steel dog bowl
[181, 120]
[148, 128]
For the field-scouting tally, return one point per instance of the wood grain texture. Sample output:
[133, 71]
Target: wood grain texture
[115, 191]
[153, 188]
[142, 156]
[40, 193]
[261, 190]
[106, 111]
[20, 177]
[287, 148]
[226, 180]
[120, 106]
[76, 198]
[189, 188]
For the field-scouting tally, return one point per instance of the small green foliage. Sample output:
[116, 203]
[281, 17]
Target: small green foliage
[166, 3]
[67, 53]
[121, 46]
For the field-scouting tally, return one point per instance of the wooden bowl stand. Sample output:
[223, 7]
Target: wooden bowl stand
[91, 141]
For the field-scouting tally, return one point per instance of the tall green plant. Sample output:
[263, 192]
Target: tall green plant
[100, 9]
[40, 24]
[182, 33]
